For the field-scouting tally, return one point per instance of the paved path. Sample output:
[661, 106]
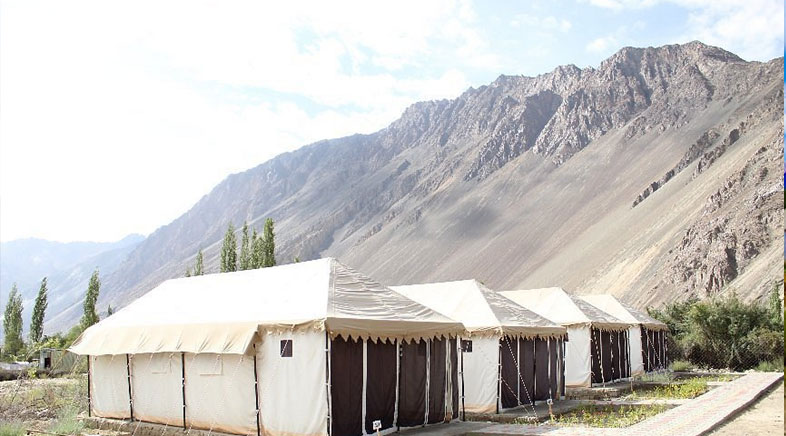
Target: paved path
[765, 418]
[694, 418]
[707, 411]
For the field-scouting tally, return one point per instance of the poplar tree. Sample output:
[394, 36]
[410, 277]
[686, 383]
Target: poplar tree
[39, 309]
[257, 250]
[269, 257]
[229, 250]
[199, 265]
[90, 316]
[245, 249]
[12, 323]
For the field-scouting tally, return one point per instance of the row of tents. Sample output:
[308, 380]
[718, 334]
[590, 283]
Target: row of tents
[316, 348]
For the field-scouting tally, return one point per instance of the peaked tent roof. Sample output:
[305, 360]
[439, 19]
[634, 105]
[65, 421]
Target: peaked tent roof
[565, 309]
[620, 310]
[222, 313]
[481, 310]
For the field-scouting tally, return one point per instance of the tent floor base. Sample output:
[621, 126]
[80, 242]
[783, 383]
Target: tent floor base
[139, 428]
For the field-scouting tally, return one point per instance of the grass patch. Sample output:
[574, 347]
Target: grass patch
[771, 366]
[11, 429]
[691, 388]
[657, 377]
[608, 416]
[681, 365]
[67, 422]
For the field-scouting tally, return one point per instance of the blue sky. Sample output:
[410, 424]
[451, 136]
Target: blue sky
[118, 116]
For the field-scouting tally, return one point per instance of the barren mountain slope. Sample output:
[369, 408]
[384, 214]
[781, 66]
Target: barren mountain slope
[637, 178]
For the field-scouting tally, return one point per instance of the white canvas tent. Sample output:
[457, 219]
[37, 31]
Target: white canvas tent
[647, 334]
[498, 372]
[596, 350]
[311, 348]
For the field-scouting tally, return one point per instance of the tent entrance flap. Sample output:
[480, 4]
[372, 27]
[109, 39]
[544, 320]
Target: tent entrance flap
[509, 372]
[527, 369]
[346, 386]
[380, 384]
[437, 386]
[541, 370]
[412, 384]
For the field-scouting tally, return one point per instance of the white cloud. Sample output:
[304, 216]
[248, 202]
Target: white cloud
[547, 23]
[603, 44]
[118, 117]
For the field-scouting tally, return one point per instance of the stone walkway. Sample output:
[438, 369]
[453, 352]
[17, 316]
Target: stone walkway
[693, 418]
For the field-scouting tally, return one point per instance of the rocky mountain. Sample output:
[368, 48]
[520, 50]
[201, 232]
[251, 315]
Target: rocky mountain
[67, 266]
[653, 176]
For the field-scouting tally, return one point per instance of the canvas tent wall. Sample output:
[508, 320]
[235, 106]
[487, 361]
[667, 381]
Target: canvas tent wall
[596, 350]
[312, 348]
[500, 365]
[647, 335]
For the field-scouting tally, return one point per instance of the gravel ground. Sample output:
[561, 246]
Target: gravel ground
[764, 418]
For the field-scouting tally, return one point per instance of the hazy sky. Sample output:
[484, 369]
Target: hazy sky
[116, 117]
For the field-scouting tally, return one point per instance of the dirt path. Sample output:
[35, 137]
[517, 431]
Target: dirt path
[765, 417]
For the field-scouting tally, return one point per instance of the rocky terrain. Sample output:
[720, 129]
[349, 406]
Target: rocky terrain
[654, 176]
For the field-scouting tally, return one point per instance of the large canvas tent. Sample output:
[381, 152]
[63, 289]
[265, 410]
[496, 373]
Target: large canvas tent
[311, 348]
[597, 349]
[647, 334]
[511, 356]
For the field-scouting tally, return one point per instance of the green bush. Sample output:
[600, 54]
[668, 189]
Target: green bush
[724, 332]
[681, 365]
[11, 429]
[67, 422]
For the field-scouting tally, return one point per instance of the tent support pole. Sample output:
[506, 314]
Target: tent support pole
[89, 397]
[183, 383]
[463, 408]
[328, 383]
[256, 391]
[130, 396]
[499, 374]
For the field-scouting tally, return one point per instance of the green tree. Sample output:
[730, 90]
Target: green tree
[39, 309]
[269, 257]
[229, 250]
[90, 316]
[257, 250]
[199, 265]
[245, 249]
[12, 323]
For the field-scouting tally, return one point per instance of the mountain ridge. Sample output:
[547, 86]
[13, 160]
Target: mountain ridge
[501, 181]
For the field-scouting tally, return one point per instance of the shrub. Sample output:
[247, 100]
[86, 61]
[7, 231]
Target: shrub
[11, 429]
[723, 332]
[681, 365]
[67, 422]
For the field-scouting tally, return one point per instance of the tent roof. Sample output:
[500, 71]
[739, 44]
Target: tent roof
[611, 305]
[481, 310]
[563, 308]
[222, 313]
